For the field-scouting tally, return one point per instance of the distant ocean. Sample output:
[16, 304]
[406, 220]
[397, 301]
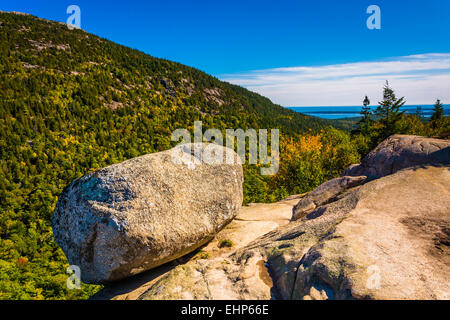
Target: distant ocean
[350, 112]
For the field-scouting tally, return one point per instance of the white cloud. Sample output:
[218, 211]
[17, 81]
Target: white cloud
[420, 78]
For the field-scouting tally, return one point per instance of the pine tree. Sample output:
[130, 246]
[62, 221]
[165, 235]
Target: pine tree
[366, 122]
[366, 112]
[419, 113]
[438, 114]
[388, 112]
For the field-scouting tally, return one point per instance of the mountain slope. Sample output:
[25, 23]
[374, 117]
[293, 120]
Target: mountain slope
[99, 73]
[70, 103]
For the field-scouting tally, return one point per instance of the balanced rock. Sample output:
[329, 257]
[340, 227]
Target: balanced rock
[141, 213]
[399, 152]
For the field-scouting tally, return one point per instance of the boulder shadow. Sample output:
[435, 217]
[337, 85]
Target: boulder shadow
[136, 285]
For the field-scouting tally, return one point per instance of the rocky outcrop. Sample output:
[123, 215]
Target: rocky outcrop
[326, 192]
[382, 231]
[141, 213]
[386, 239]
[401, 151]
[395, 153]
[384, 234]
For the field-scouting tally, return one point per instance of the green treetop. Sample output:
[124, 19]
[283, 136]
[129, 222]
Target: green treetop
[388, 112]
[438, 113]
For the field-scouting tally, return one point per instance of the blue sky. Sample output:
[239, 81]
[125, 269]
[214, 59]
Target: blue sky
[235, 40]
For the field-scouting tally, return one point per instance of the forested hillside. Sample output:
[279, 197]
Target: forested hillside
[71, 102]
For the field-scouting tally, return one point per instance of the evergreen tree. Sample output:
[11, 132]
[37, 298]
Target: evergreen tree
[419, 113]
[388, 113]
[438, 114]
[365, 124]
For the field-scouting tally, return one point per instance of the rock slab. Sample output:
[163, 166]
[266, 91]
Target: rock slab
[326, 192]
[136, 215]
[381, 231]
[399, 152]
[386, 239]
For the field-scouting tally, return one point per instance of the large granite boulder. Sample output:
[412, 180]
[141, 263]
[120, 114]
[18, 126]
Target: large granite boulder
[386, 239]
[141, 213]
[401, 151]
